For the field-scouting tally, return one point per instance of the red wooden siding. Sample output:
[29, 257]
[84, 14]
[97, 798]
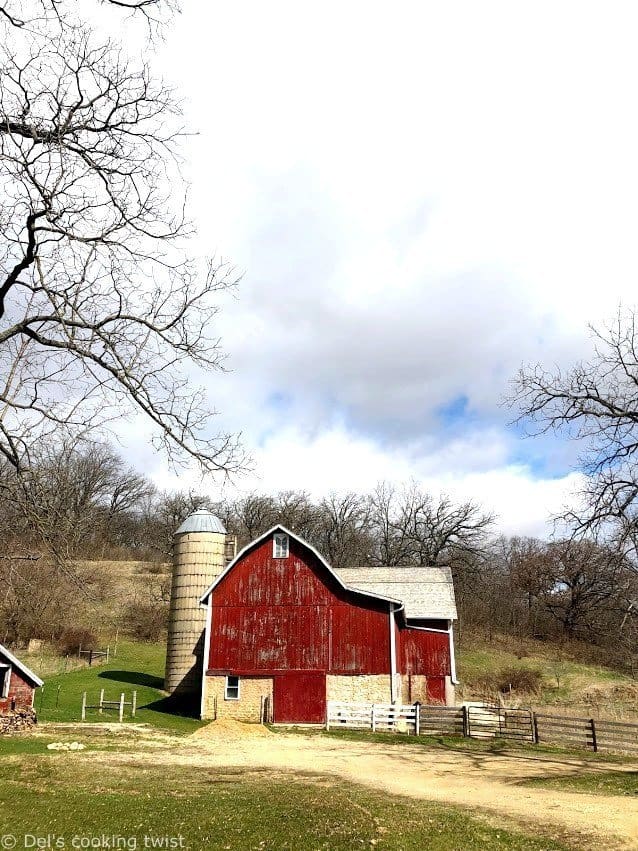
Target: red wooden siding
[299, 695]
[425, 653]
[292, 615]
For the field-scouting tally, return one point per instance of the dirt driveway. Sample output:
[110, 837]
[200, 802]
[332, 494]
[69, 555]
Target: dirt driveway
[477, 780]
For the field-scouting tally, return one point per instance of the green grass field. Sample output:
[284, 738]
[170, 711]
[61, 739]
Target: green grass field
[137, 666]
[62, 796]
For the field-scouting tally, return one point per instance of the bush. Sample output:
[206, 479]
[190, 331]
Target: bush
[521, 680]
[146, 621]
[74, 638]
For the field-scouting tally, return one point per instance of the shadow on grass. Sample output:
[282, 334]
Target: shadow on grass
[134, 678]
[185, 706]
[174, 706]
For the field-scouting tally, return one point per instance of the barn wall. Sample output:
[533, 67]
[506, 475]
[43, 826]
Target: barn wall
[425, 653]
[247, 708]
[291, 614]
[426, 689]
[19, 688]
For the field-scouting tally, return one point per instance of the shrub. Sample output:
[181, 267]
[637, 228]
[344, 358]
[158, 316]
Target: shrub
[74, 638]
[146, 621]
[522, 680]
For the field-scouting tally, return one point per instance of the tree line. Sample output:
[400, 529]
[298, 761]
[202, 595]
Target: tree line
[80, 503]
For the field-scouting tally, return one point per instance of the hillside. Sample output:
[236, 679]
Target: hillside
[565, 677]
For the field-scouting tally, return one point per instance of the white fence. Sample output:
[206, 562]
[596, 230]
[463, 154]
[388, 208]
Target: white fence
[383, 717]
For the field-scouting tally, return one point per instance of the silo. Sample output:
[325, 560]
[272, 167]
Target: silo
[200, 553]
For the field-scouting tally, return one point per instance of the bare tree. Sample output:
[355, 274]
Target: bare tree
[596, 403]
[585, 583]
[342, 529]
[411, 527]
[102, 312]
[70, 500]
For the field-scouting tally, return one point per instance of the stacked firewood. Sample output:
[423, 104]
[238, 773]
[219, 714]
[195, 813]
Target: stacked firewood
[18, 721]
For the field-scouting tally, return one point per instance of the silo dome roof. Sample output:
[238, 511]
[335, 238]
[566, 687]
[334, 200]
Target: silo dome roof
[202, 521]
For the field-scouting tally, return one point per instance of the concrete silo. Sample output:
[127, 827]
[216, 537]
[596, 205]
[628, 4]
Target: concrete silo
[201, 551]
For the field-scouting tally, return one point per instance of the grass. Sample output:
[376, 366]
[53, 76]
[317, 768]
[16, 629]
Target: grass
[137, 667]
[607, 783]
[62, 796]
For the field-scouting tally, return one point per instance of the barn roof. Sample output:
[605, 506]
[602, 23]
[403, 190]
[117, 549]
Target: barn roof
[27, 672]
[426, 592]
[331, 570]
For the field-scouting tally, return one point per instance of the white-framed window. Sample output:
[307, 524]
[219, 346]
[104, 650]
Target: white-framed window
[280, 545]
[232, 688]
[5, 679]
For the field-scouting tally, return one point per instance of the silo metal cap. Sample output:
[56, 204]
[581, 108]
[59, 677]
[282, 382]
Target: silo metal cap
[202, 521]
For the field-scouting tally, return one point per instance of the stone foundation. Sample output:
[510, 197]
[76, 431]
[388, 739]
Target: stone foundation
[361, 688]
[252, 691]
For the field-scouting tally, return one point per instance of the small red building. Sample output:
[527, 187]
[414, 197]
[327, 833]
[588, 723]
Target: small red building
[285, 629]
[17, 683]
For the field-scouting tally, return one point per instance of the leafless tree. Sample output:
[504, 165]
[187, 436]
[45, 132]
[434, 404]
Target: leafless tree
[412, 527]
[70, 500]
[342, 529]
[102, 312]
[596, 403]
[584, 584]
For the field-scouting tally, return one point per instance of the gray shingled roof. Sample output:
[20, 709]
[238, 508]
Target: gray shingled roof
[426, 592]
[201, 521]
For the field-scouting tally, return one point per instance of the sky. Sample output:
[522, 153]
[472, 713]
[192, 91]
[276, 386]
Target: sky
[420, 198]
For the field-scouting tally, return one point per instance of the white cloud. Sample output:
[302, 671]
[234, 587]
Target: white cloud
[423, 196]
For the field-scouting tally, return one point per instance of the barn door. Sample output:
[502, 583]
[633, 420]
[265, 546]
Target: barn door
[299, 698]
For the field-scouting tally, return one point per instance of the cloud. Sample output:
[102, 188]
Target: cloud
[421, 198]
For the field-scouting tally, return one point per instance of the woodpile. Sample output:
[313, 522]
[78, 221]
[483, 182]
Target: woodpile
[18, 721]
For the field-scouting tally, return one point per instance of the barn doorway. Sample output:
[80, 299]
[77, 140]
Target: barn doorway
[299, 697]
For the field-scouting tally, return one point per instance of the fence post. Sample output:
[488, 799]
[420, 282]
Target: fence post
[121, 707]
[374, 719]
[535, 728]
[79, 652]
[57, 697]
[593, 734]
[84, 706]
[101, 700]
[417, 718]
[108, 650]
[466, 722]
[328, 715]
[90, 658]
[134, 704]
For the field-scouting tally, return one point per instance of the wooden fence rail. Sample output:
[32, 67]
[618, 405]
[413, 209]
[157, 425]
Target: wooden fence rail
[485, 721]
[111, 704]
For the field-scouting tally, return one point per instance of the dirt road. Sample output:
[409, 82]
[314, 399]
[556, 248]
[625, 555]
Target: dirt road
[476, 780]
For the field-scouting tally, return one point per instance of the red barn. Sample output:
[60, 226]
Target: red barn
[284, 627]
[17, 683]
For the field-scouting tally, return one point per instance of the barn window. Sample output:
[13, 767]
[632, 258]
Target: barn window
[5, 677]
[232, 688]
[280, 546]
